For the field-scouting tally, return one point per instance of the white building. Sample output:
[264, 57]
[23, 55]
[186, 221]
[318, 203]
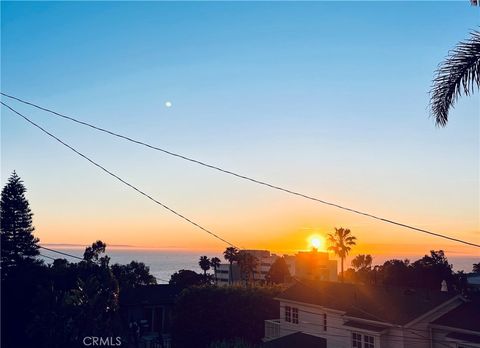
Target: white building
[343, 315]
[222, 274]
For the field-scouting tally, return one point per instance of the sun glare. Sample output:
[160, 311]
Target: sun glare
[317, 242]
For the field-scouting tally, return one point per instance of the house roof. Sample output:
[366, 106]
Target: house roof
[464, 337]
[465, 317]
[297, 339]
[363, 326]
[161, 294]
[385, 304]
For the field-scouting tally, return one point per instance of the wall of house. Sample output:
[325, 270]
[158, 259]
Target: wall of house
[392, 338]
[311, 321]
[418, 334]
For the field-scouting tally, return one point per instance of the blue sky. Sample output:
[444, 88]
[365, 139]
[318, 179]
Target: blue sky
[326, 98]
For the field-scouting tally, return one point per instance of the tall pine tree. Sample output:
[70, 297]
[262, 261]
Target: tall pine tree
[17, 240]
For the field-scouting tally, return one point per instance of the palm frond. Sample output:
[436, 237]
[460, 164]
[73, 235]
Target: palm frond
[458, 74]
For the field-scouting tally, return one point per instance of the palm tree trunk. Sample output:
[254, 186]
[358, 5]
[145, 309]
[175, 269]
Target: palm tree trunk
[341, 278]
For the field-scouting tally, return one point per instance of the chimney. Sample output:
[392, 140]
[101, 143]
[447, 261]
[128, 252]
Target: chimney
[444, 286]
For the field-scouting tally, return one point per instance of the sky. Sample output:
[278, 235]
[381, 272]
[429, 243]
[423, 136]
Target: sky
[326, 98]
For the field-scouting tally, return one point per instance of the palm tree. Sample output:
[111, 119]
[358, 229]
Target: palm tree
[341, 243]
[204, 264]
[230, 254]
[248, 264]
[215, 263]
[460, 72]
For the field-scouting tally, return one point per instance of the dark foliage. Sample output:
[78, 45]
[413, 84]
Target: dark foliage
[132, 275]
[427, 272]
[278, 272]
[232, 312]
[17, 240]
[186, 278]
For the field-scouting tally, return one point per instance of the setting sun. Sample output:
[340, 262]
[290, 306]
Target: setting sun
[316, 241]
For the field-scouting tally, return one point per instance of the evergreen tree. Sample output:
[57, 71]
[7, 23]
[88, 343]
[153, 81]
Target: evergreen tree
[279, 272]
[17, 240]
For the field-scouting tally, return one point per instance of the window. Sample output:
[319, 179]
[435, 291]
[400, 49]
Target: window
[324, 321]
[295, 315]
[362, 341]
[368, 341]
[288, 314]
[356, 340]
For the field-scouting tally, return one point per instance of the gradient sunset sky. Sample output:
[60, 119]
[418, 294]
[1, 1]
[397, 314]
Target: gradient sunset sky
[330, 99]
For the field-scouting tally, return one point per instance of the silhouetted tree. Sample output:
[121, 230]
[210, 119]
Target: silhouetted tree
[215, 263]
[341, 243]
[132, 275]
[278, 272]
[75, 300]
[231, 311]
[362, 261]
[432, 269]
[17, 240]
[396, 273]
[92, 253]
[204, 264]
[476, 268]
[186, 278]
[230, 254]
[247, 263]
[460, 72]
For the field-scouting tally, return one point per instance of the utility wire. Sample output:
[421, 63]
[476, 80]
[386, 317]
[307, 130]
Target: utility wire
[77, 257]
[118, 178]
[272, 186]
[62, 253]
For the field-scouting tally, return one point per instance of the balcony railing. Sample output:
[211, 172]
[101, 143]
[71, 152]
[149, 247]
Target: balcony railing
[272, 329]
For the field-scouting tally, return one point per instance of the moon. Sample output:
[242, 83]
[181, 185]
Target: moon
[168, 104]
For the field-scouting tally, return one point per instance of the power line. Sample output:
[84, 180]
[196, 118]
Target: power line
[60, 252]
[118, 178]
[77, 257]
[244, 177]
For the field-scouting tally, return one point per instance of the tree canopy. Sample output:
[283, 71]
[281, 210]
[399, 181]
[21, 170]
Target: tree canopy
[17, 239]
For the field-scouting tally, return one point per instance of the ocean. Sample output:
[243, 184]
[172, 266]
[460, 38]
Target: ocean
[164, 262]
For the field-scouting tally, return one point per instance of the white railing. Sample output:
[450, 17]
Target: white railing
[272, 329]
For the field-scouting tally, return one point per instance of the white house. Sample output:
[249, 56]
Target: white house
[359, 316]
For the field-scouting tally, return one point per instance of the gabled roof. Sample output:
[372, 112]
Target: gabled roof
[364, 326]
[382, 304]
[464, 337]
[297, 339]
[162, 294]
[465, 317]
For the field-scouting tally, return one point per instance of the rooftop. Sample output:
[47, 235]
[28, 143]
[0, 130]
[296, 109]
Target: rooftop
[465, 316]
[383, 304]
